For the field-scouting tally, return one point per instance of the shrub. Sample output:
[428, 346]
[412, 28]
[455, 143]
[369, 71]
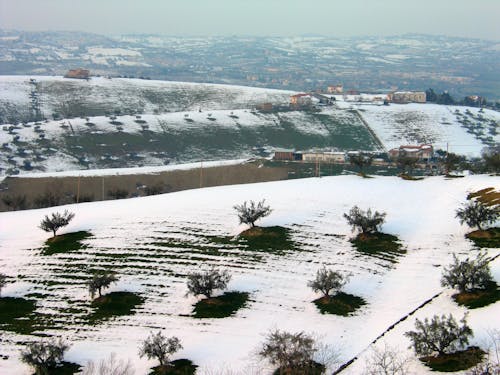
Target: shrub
[15, 202]
[292, 352]
[251, 213]
[367, 222]
[441, 335]
[327, 281]
[205, 283]
[476, 214]
[3, 282]
[159, 347]
[47, 199]
[118, 193]
[56, 221]
[99, 281]
[44, 356]
[467, 275]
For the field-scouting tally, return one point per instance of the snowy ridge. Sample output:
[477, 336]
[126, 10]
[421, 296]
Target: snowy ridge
[155, 241]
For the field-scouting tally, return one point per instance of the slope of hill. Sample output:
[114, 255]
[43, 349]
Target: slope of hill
[154, 242]
[126, 123]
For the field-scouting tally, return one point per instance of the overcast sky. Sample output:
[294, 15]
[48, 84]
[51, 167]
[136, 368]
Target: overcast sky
[466, 18]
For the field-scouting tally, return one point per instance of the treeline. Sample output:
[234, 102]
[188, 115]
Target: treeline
[471, 101]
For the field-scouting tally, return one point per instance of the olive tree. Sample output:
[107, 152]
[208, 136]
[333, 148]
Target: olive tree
[44, 356]
[3, 282]
[55, 221]
[441, 335]
[367, 222]
[468, 274]
[205, 283]
[159, 347]
[327, 281]
[109, 366]
[477, 214]
[361, 161]
[100, 280]
[291, 352]
[249, 214]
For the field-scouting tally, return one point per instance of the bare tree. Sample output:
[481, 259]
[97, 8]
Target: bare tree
[159, 347]
[206, 282]
[491, 363]
[109, 366]
[249, 214]
[387, 361]
[44, 356]
[56, 221]
[100, 280]
[327, 281]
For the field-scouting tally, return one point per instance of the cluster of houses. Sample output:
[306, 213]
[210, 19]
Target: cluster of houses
[422, 153]
[335, 93]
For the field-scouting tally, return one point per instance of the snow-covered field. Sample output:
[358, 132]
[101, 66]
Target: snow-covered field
[464, 130]
[153, 242]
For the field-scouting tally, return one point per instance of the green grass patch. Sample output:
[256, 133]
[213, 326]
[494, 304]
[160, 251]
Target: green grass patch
[460, 360]
[16, 314]
[114, 304]
[479, 297]
[268, 239]
[221, 306]
[177, 367]
[383, 245]
[65, 243]
[489, 238]
[314, 368]
[341, 304]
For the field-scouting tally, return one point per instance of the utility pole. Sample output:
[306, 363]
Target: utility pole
[78, 191]
[102, 187]
[201, 174]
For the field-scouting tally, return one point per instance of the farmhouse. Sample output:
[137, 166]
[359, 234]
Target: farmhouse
[335, 89]
[323, 157]
[78, 74]
[408, 97]
[301, 100]
[421, 152]
[284, 154]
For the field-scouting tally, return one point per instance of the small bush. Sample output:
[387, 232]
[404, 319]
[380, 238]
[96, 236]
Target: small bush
[15, 202]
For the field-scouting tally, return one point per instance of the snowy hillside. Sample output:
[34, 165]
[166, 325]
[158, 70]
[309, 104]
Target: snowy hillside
[465, 130]
[154, 242]
[69, 98]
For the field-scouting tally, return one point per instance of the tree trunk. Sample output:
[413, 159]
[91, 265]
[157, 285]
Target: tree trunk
[54, 231]
[99, 290]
